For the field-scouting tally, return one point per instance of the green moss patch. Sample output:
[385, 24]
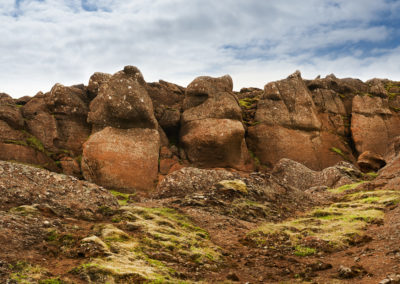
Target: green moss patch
[248, 102]
[123, 198]
[346, 187]
[145, 245]
[327, 228]
[23, 272]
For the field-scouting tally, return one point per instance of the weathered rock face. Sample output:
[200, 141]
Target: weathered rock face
[373, 124]
[212, 133]
[388, 178]
[95, 81]
[295, 174]
[58, 118]
[289, 125]
[26, 154]
[123, 102]
[10, 112]
[124, 159]
[167, 101]
[369, 161]
[215, 142]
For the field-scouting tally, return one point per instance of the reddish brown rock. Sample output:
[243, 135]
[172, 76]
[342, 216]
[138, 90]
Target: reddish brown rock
[123, 159]
[167, 101]
[206, 86]
[369, 161]
[10, 112]
[388, 177]
[377, 87]
[35, 106]
[288, 103]
[212, 133]
[71, 167]
[123, 102]
[26, 154]
[312, 148]
[69, 101]
[44, 127]
[220, 105]
[95, 81]
[215, 143]
[373, 124]
[166, 165]
[290, 126]
[7, 133]
[22, 100]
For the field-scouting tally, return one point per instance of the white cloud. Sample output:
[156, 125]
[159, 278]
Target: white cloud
[49, 41]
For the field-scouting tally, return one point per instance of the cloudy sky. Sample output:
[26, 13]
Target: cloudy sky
[255, 41]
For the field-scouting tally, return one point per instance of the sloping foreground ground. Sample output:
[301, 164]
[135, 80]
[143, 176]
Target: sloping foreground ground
[57, 229]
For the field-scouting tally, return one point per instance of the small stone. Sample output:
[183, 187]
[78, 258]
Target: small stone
[345, 272]
[232, 276]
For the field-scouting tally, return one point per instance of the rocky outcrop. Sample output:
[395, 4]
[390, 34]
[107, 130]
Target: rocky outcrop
[10, 112]
[58, 118]
[212, 133]
[294, 174]
[189, 180]
[123, 102]
[254, 197]
[123, 159]
[370, 162]
[289, 125]
[124, 155]
[167, 101]
[51, 192]
[388, 177]
[373, 124]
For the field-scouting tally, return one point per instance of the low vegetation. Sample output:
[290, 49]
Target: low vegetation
[328, 228]
[148, 245]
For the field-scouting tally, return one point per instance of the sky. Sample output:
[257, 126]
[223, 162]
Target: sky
[44, 42]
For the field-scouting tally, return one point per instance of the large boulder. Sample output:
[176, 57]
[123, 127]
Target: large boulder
[215, 143]
[58, 118]
[95, 81]
[123, 159]
[288, 125]
[212, 132]
[373, 124]
[10, 112]
[294, 174]
[69, 106]
[123, 102]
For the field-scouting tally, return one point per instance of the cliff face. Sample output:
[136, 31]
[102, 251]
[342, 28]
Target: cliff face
[105, 131]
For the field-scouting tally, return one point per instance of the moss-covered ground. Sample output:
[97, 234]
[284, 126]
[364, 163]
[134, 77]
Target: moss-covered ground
[150, 245]
[328, 228]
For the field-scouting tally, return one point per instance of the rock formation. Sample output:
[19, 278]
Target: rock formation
[158, 183]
